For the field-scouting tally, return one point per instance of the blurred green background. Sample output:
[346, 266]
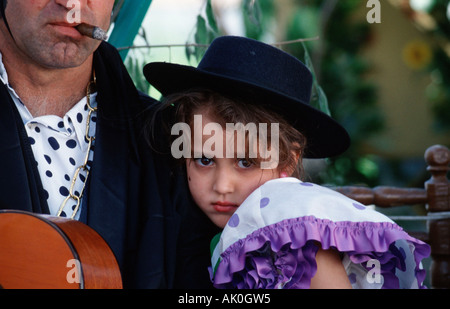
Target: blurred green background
[387, 83]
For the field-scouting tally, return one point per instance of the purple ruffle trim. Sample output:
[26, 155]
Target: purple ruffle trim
[282, 255]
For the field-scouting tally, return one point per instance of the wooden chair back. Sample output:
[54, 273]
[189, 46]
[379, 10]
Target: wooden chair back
[435, 196]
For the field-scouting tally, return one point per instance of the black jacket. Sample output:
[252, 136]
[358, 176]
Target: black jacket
[135, 199]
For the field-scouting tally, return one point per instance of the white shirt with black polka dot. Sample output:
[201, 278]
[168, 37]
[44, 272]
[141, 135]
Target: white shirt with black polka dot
[59, 147]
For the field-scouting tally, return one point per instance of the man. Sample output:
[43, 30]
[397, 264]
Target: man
[71, 143]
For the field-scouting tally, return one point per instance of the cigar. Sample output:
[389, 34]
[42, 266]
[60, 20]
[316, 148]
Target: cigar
[93, 32]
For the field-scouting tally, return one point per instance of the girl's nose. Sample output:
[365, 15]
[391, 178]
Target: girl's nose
[224, 181]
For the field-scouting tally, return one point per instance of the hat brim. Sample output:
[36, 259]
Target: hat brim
[325, 137]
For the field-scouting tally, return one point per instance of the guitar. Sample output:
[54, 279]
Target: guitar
[44, 252]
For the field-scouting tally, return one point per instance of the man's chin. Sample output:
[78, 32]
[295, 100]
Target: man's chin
[66, 55]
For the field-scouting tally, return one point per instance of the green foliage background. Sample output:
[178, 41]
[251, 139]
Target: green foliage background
[341, 87]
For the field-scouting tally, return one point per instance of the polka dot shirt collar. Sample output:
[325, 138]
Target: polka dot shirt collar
[71, 126]
[59, 146]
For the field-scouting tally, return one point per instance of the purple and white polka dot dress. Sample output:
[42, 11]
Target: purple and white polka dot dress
[271, 241]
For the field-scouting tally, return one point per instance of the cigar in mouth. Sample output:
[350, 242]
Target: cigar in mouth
[93, 32]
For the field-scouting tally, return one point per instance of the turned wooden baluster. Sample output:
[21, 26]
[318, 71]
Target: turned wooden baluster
[438, 193]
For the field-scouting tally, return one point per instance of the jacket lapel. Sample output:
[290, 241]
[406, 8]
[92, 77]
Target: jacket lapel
[17, 163]
[115, 150]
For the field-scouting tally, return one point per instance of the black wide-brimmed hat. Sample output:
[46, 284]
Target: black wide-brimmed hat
[262, 74]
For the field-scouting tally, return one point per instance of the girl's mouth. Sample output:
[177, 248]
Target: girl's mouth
[224, 206]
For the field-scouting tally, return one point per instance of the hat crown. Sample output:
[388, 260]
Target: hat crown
[261, 74]
[246, 60]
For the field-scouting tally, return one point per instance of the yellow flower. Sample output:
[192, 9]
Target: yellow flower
[417, 55]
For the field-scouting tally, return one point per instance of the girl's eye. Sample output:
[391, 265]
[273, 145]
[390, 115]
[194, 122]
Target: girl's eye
[243, 163]
[204, 161]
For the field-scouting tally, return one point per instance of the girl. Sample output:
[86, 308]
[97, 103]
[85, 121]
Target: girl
[245, 124]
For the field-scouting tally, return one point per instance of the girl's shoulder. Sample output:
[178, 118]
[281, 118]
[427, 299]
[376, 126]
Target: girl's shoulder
[286, 217]
[288, 198]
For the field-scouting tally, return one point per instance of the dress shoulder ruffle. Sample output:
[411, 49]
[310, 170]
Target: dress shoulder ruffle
[272, 239]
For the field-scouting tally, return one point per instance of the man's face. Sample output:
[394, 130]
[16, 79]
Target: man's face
[44, 30]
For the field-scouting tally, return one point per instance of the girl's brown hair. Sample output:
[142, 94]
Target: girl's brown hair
[233, 110]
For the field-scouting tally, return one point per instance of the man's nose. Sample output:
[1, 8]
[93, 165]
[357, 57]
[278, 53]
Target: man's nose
[72, 4]
[75, 9]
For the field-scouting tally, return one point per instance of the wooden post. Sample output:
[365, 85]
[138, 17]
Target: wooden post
[438, 193]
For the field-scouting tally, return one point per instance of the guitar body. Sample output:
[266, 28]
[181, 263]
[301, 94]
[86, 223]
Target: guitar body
[45, 252]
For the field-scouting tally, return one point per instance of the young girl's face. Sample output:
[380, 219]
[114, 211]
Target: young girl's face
[220, 185]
